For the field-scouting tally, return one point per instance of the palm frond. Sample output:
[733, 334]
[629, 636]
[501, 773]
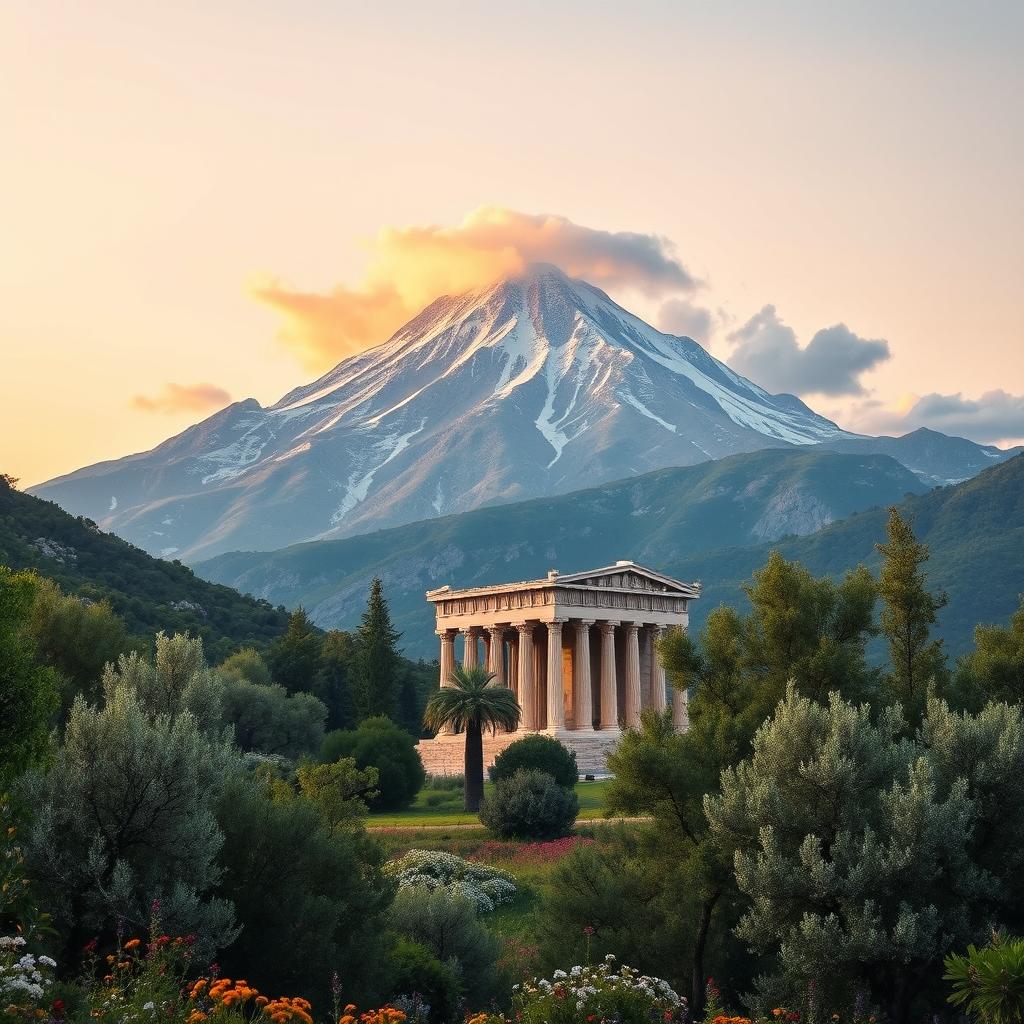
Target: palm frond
[471, 697]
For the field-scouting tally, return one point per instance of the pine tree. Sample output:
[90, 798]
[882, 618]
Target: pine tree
[334, 679]
[909, 611]
[295, 658]
[377, 658]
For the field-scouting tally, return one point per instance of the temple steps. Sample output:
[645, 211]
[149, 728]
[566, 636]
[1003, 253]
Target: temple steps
[445, 755]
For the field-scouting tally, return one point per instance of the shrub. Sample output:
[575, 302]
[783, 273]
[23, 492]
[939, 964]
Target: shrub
[530, 805]
[538, 753]
[989, 983]
[417, 971]
[379, 743]
[485, 887]
[606, 992]
[448, 925]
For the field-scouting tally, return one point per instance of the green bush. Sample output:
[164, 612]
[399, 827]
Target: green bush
[416, 970]
[989, 983]
[530, 805]
[448, 925]
[537, 753]
[379, 743]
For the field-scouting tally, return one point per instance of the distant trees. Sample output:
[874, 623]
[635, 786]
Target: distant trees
[28, 690]
[994, 670]
[267, 719]
[294, 659]
[376, 668]
[909, 609]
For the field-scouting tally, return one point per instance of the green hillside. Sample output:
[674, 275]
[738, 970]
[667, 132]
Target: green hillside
[661, 519]
[975, 531]
[148, 593]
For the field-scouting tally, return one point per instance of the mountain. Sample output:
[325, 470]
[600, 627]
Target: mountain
[663, 518]
[534, 386]
[149, 594]
[934, 458]
[974, 531]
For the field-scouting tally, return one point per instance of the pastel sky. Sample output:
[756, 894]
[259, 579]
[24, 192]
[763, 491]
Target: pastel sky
[203, 201]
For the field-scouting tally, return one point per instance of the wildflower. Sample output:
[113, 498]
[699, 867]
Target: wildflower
[133, 944]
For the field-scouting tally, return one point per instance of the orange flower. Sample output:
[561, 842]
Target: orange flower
[133, 944]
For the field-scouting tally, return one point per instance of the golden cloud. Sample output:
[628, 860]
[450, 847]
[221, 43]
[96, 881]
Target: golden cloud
[410, 266]
[183, 398]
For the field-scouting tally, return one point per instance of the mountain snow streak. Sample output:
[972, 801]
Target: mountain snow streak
[537, 385]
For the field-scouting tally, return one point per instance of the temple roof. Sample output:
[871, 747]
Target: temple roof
[624, 576]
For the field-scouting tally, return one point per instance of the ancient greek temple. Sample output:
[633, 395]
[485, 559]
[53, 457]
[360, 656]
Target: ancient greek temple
[578, 650]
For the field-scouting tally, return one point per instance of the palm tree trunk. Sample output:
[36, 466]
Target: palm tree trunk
[473, 787]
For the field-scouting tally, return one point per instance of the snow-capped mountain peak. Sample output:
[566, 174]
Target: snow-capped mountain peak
[534, 385]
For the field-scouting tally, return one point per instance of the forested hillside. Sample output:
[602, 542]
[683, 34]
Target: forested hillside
[974, 530]
[149, 593]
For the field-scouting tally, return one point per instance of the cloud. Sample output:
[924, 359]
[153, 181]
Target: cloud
[832, 363]
[408, 267]
[183, 398]
[996, 416]
[682, 317]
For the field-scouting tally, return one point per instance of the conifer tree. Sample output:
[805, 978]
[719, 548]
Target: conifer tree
[376, 660]
[908, 614]
[295, 658]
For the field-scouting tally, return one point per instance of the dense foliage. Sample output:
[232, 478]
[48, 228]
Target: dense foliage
[540, 753]
[148, 593]
[485, 887]
[530, 805]
[379, 743]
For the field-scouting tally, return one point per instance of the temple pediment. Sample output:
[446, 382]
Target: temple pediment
[630, 576]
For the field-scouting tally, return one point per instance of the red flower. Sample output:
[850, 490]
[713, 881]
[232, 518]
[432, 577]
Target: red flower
[90, 946]
[59, 1007]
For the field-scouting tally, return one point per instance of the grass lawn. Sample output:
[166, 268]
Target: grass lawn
[444, 807]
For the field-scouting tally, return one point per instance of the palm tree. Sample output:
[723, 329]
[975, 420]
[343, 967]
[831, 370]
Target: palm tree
[470, 702]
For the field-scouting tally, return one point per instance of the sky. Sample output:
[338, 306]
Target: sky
[203, 202]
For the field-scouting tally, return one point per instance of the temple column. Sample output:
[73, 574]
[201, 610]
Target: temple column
[658, 701]
[632, 681]
[680, 712]
[447, 663]
[609, 694]
[556, 696]
[583, 696]
[470, 653]
[527, 685]
[513, 665]
[496, 653]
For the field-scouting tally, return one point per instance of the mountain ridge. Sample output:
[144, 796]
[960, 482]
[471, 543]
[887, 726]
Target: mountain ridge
[661, 518]
[535, 385]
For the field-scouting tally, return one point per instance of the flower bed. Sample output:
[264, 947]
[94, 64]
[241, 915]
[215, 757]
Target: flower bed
[486, 887]
[596, 995]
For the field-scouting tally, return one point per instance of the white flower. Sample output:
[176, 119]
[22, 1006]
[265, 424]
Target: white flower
[149, 1006]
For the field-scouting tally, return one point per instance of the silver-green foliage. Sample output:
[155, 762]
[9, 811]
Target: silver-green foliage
[866, 855]
[124, 814]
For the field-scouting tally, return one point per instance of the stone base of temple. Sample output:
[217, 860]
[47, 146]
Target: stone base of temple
[445, 755]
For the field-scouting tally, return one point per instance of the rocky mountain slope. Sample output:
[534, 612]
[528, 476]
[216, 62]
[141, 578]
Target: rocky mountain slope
[663, 518]
[537, 385]
[974, 531]
[936, 459]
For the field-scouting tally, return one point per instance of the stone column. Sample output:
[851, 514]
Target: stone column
[658, 701]
[583, 696]
[496, 653]
[556, 696]
[632, 681]
[513, 665]
[470, 654]
[680, 712]
[486, 634]
[609, 689]
[527, 686]
[447, 663]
